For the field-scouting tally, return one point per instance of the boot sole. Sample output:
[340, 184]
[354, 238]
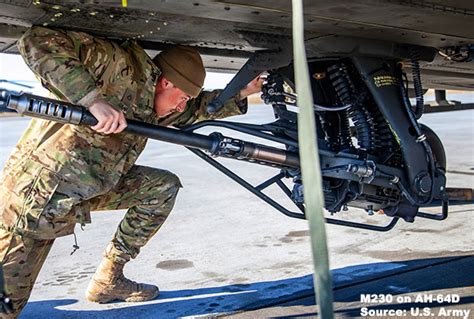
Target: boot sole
[106, 299]
[140, 299]
[99, 298]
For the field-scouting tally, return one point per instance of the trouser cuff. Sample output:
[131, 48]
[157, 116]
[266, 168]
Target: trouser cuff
[114, 253]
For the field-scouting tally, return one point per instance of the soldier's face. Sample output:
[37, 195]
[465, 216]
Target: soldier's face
[168, 98]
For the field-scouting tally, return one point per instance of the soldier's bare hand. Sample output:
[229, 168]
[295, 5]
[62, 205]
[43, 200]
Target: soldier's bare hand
[254, 86]
[109, 119]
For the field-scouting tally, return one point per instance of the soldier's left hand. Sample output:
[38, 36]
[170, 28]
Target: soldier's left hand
[253, 87]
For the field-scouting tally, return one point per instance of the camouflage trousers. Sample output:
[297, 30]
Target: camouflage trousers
[148, 193]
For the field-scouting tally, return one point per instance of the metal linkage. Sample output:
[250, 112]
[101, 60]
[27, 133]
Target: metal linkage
[251, 129]
[273, 93]
[277, 179]
[339, 222]
[248, 186]
[258, 63]
[442, 216]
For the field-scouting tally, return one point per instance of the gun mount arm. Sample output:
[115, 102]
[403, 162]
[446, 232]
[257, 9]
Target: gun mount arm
[260, 61]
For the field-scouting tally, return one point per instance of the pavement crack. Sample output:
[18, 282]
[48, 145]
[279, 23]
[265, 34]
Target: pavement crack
[459, 172]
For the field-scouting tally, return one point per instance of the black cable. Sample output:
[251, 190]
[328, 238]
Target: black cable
[416, 73]
[421, 138]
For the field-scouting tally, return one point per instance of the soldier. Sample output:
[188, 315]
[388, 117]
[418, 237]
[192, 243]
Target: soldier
[58, 173]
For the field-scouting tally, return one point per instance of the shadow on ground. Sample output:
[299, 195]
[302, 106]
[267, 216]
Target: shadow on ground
[349, 283]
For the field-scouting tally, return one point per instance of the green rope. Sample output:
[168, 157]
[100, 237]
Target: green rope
[310, 168]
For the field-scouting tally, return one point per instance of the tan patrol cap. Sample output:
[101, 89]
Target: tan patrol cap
[183, 67]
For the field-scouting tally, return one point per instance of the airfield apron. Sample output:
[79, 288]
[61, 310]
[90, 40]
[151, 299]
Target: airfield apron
[58, 173]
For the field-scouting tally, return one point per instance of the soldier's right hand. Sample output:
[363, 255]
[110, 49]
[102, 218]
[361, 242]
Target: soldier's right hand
[109, 119]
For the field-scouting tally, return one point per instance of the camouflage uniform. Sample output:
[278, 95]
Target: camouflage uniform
[58, 173]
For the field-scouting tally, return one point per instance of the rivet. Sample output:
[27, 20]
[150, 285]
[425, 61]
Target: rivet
[56, 7]
[75, 10]
[45, 24]
[152, 14]
[93, 13]
[36, 2]
[147, 21]
[165, 23]
[111, 16]
[57, 15]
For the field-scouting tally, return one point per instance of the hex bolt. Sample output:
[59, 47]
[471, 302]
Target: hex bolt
[370, 210]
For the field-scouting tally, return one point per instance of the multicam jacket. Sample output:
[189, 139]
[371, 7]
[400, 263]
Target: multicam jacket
[78, 68]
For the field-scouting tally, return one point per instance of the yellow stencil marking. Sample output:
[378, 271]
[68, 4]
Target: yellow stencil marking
[385, 80]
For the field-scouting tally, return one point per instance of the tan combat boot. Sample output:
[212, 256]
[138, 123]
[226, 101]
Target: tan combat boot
[109, 283]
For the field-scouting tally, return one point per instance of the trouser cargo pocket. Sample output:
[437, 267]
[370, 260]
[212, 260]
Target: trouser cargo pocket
[46, 212]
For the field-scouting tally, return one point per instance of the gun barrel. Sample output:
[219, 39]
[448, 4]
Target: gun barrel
[63, 112]
[270, 155]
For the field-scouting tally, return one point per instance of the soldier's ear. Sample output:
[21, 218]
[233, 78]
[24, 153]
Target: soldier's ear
[166, 84]
[162, 84]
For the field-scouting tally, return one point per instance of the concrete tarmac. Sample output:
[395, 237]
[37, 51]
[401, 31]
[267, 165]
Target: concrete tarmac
[224, 252]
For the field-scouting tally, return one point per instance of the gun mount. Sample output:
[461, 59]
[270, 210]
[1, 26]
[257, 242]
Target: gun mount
[365, 165]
